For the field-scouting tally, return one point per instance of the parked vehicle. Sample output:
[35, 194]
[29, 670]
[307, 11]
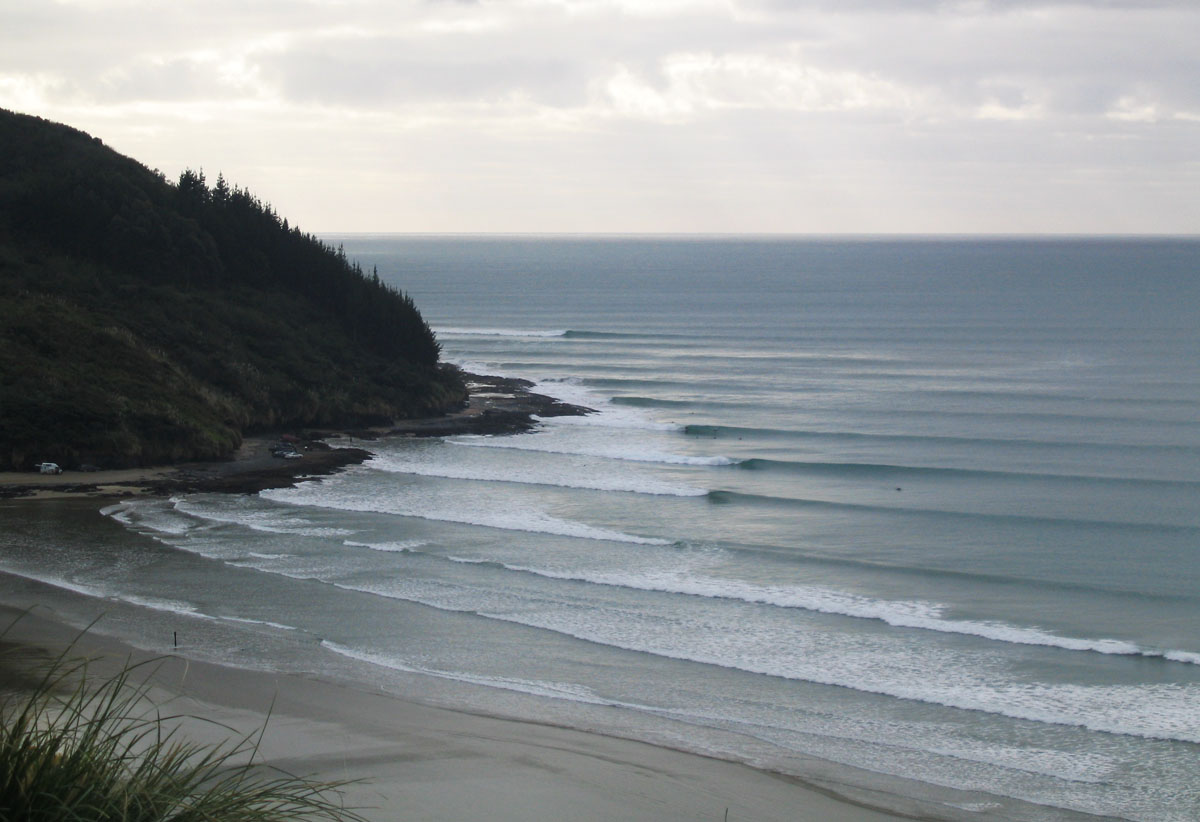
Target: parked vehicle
[48, 468]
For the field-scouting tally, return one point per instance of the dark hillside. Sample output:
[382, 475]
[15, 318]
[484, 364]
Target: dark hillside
[143, 321]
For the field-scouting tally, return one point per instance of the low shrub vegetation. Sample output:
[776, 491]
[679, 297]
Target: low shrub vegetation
[74, 749]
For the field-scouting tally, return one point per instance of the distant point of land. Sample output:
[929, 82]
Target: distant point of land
[145, 321]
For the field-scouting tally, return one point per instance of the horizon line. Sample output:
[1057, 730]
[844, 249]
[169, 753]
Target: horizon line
[847, 235]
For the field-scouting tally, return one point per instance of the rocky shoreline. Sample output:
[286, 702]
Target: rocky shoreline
[495, 406]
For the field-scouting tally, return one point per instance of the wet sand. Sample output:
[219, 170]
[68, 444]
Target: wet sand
[417, 762]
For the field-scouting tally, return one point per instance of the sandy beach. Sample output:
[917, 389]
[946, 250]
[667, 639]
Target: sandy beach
[417, 762]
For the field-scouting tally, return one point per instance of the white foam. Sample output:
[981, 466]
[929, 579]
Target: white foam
[685, 578]
[263, 521]
[402, 547]
[898, 613]
[58, 582]
[266, 622]
[615, 449]
[153, 603]
[477, 367]
[1089, 768]
[427, 464]
[608, 415]
[536, 687]
[171, 606]
[430, 504]
[606, 418]
[873, 663]
[151, 517]
[1168, 712]
[877, 664]
[122, 516]
[499, 332]
[1077, 766]
[572, 390]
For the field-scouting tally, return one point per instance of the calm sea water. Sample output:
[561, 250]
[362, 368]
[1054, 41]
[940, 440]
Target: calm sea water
[928, 508]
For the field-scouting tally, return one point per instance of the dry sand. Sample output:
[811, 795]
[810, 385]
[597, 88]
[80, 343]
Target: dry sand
[425, 763]
[250, 470]
[127, 482]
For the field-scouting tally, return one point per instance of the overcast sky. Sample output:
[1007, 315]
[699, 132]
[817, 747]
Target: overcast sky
[799, 116]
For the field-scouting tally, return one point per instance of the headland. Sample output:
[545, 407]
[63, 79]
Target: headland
[495, 405]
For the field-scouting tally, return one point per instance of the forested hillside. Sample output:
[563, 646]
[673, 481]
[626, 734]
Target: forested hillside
[145, 321]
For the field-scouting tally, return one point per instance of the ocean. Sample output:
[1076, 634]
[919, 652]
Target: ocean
[863, 510]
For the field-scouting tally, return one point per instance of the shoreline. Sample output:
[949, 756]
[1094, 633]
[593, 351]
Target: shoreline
[495, 405]
[423, 755]
[429, 755]
[418, 761]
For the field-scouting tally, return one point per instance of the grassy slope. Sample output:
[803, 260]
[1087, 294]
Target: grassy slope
[77, 749]
[143, 322]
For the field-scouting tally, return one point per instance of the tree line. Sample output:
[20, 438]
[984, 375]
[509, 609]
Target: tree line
[156, 319]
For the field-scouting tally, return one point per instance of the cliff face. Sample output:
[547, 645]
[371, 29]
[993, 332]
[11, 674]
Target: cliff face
[143, 321]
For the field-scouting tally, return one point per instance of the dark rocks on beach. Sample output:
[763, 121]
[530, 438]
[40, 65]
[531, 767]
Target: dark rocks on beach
[496, 405]
[239, 478]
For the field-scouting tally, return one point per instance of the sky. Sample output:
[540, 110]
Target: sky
[646, 116]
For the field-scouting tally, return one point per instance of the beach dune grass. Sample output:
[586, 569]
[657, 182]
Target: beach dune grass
[78, 747]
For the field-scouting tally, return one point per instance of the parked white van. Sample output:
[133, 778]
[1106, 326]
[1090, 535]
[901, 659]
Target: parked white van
[49, 468]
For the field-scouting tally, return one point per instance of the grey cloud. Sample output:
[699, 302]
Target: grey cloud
[333, 77]
[1077, 59]
[1072, 60]
[961, 6]
[178, 79]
